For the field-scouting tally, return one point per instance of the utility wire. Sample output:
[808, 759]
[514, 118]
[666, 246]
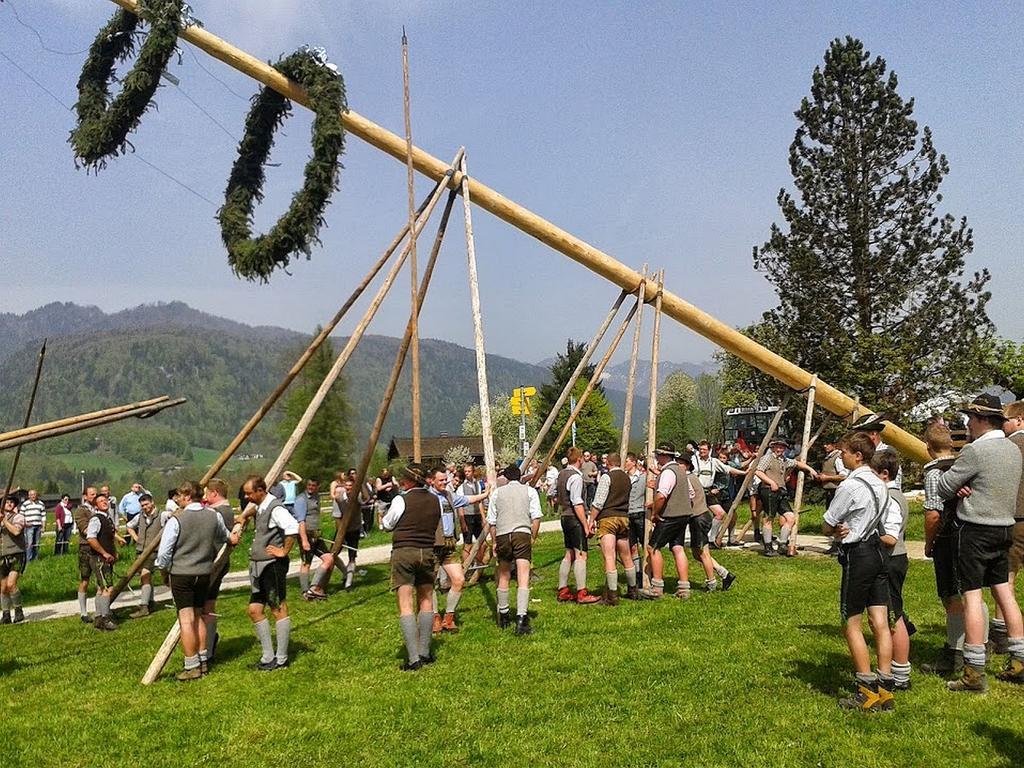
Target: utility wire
[35, 31]
[199, 61]
[29, 75]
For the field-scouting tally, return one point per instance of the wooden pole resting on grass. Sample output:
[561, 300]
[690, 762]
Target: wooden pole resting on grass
[752, 468]
[721, 334]
[805, 446]
[563, 398]
[79, 423]
[627, 411]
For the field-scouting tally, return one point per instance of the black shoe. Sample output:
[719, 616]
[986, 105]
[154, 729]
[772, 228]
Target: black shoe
[411, 666]
[901, 686]
[504, 620]
[769, 552]
[727, 581]
[282, 664]
[86, 619]
[5, 618]
[19, 615]
[428, 659]
[266, 666]
[523, 625]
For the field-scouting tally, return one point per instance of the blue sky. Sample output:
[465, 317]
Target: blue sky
[658, 132]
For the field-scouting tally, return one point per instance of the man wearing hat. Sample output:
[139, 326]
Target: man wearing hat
[672, 510]
[772, 471]
[985, 477]
[414, 517]
[873, 424]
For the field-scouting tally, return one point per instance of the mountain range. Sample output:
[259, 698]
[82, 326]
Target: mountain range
[225, 368]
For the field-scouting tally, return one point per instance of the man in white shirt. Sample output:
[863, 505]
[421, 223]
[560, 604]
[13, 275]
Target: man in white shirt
[709, 468]
[514, 516]
[275, 535]
[35, 518]
[860, 516]
[576, 531]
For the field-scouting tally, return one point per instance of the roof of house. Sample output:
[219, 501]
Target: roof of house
[437, 446]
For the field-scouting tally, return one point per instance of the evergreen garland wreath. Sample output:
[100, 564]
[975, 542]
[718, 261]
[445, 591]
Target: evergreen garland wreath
[295, 232]
[104, 125]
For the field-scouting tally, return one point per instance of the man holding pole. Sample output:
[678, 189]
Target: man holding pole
[414, 517]
[609, 513]
[188, 547]
[307, 513]
[274, 537]
[772, 471]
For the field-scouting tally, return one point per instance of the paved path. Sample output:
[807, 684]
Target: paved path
[809, 545]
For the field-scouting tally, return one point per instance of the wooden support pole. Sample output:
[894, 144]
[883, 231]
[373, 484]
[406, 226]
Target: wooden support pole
[563, 398]
[591, 386]
[652, 427]
[352, 507]
[79, 424]
[805, 446]
[314, 345]
[490, 200]
[414, 314]
[627, 411]
[478, 337]
[306, 419]
[28, 417]
[752, 467]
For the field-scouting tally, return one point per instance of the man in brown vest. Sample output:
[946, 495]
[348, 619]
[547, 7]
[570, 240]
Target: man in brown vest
[101, 538]
[575, 531]
[609, 513]
[414, 518]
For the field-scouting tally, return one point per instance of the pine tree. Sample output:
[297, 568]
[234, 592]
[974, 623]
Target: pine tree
[595, 426]
[326, 446]
[869, 275]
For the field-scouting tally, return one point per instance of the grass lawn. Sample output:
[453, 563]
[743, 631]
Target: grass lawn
[112, 464]
[743, 678]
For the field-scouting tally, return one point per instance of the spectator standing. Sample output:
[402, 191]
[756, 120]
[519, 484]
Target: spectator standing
[62, 515]
[130, 505]
[34, 512]
[589, 470]
[113, 512]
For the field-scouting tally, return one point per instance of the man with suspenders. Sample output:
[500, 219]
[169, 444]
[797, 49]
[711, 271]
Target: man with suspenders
[575, 531]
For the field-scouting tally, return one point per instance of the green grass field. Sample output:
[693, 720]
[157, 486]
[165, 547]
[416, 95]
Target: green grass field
[112, 464]
[743, 678]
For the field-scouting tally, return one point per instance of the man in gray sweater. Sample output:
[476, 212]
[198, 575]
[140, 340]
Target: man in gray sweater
[985, 477]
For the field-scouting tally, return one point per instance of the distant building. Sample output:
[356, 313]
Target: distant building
[433, 449]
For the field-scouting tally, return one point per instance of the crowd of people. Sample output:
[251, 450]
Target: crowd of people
[974, 520]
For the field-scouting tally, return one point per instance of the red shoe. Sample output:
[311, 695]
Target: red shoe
[566, 595]
[585, 598]
[448, 625]
[436, 629]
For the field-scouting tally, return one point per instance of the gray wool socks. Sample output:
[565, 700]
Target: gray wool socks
[410, 634]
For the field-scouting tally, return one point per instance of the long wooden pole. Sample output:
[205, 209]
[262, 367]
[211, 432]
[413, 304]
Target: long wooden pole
[28, 416]
[306, 419]
[142, 412]
[314, 345]
[652, 427]
[748, 350]
[752, 467]
[352, 507]
[48, 425]
[805, 446]
[413, 272]
[627, 411]
[478, 337]
[563, 398]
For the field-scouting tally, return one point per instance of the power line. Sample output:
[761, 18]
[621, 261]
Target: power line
[200, 107]
[230, 90]
[136, 155]
[35, 31]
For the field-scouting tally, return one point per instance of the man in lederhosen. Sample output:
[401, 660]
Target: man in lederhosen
[216, 497]
[145, 528]
[772, 471]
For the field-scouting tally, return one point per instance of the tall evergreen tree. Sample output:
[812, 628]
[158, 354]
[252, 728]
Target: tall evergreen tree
[327, 445]
[595, 427]
[869, 275]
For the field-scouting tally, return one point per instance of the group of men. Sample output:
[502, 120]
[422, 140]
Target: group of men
[974, 524]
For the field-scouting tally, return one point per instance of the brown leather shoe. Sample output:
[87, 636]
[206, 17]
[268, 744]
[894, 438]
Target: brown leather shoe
[448, 623]
[610, 596]
[436, 628]
[188, 675]
[585, 598]
[632, 593]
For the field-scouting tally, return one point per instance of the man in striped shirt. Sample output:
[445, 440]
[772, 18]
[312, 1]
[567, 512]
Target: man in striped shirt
[35, 516]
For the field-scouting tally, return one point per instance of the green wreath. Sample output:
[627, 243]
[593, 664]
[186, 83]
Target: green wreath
[104, 125]
[296, 231]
